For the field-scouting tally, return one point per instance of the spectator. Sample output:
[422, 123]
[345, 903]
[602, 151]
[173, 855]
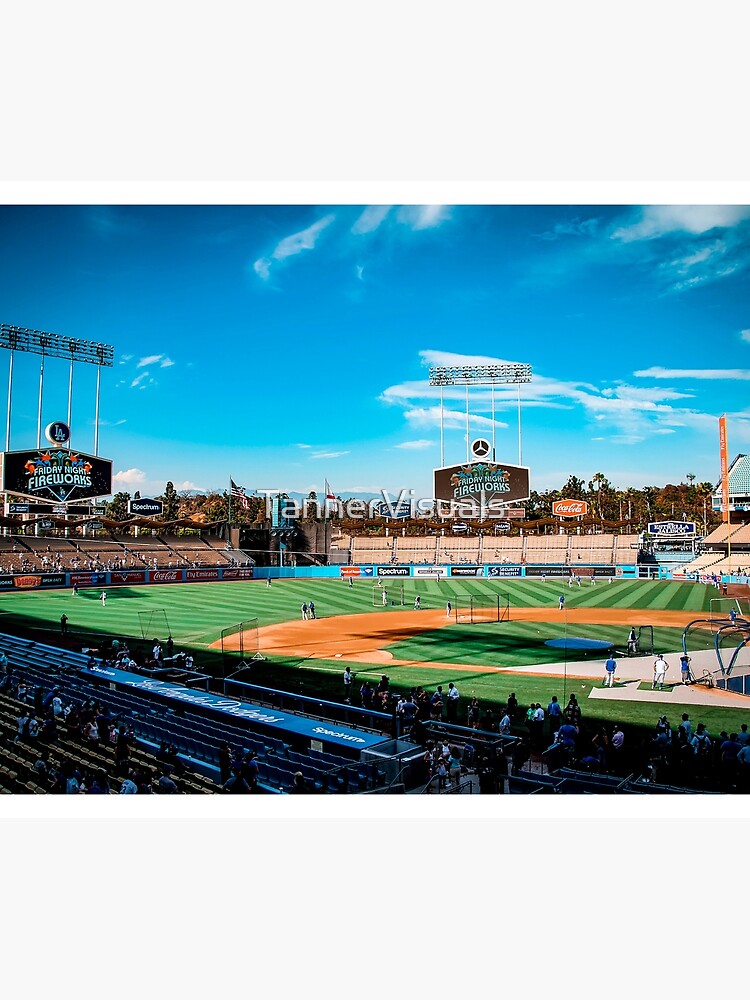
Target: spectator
[512, 705]
[166, 785]
[299, 785]
[554, 714]
[473, 713]
[572, 711]
[452, 703]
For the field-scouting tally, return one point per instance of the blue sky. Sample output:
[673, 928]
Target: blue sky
[283, 345]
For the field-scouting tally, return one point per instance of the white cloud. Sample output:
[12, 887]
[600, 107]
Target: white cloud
[429, 416]
[359, 271]
[572, 227]
[304, 446]
[186, 485]
[370, 219]
[328, 454]
[262, 268]
[129, 477]
[745, 335]
[152, 359]
[108, 423]
[415, 445]
[726, 374]
[423, 216]
[292, 245]
[659, 220]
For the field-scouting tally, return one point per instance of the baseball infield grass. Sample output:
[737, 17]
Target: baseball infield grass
[196, 614]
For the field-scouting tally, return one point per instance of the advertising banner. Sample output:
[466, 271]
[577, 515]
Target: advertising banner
[349, 571]
[467, 570]
[6, 582]
[201, 574]
[430, 571]
[671, 529]
[569, 508]
[245, 573]
[165, 576]
[724, 462]
[479, 489]
[394, 570]
[30, 580]
[146, 506]
[128, 576]
[503, 571]
[56, 475]
[88, 579]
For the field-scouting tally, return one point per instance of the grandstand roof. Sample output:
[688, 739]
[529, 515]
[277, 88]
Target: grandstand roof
[739, 477]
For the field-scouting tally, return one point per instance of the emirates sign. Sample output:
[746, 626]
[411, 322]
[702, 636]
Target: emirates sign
[569, 508]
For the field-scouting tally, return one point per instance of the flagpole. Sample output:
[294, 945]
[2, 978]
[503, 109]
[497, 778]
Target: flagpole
[229, 514]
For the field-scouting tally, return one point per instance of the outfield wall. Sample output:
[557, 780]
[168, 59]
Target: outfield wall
[493, 571]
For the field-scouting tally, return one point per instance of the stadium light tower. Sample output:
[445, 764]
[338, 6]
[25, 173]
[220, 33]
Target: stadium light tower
[52, 345]
[511, 373]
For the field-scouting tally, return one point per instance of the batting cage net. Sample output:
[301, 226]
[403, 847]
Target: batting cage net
[721, 606]
[154, 624]
[240, 646]
[474, 608]
[389, 595]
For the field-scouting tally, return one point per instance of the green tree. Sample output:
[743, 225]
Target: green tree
[117, 508]
[171, 502]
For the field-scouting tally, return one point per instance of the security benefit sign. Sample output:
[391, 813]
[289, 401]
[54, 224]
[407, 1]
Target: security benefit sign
[55, 475]
[479, 489]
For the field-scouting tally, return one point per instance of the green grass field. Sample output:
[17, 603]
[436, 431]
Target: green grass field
[196, 614]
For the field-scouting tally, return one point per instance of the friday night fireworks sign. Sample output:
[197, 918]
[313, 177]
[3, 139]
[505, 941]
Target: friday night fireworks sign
[483, 488]
[55, 475]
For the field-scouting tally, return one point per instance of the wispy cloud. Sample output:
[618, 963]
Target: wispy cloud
[108, 423]
[423, 216]
[370, 219]
[415, 445]
[328, 454]
[292, 245]
[718, 374]
[304, 446]
[745, 335]
[681, 247]
[161, 359]
[430, 416]
[621, 413]
[143, 381]
[655, 221]
[572, 227]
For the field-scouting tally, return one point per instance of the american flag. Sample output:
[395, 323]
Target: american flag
[238, 493]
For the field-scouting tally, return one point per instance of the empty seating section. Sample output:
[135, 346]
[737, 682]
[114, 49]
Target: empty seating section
[705, 563]
[741, 535]
[552, 549]
[719, 535]
[626, 549]
[371, 550]
[459, 550]
[502, 550]
[52, 553]
[416, 549]
[597, 549]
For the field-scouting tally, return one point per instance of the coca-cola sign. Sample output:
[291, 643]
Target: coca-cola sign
[165, 576]
[569, 508]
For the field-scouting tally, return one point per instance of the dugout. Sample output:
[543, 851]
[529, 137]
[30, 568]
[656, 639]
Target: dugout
[400, 761]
